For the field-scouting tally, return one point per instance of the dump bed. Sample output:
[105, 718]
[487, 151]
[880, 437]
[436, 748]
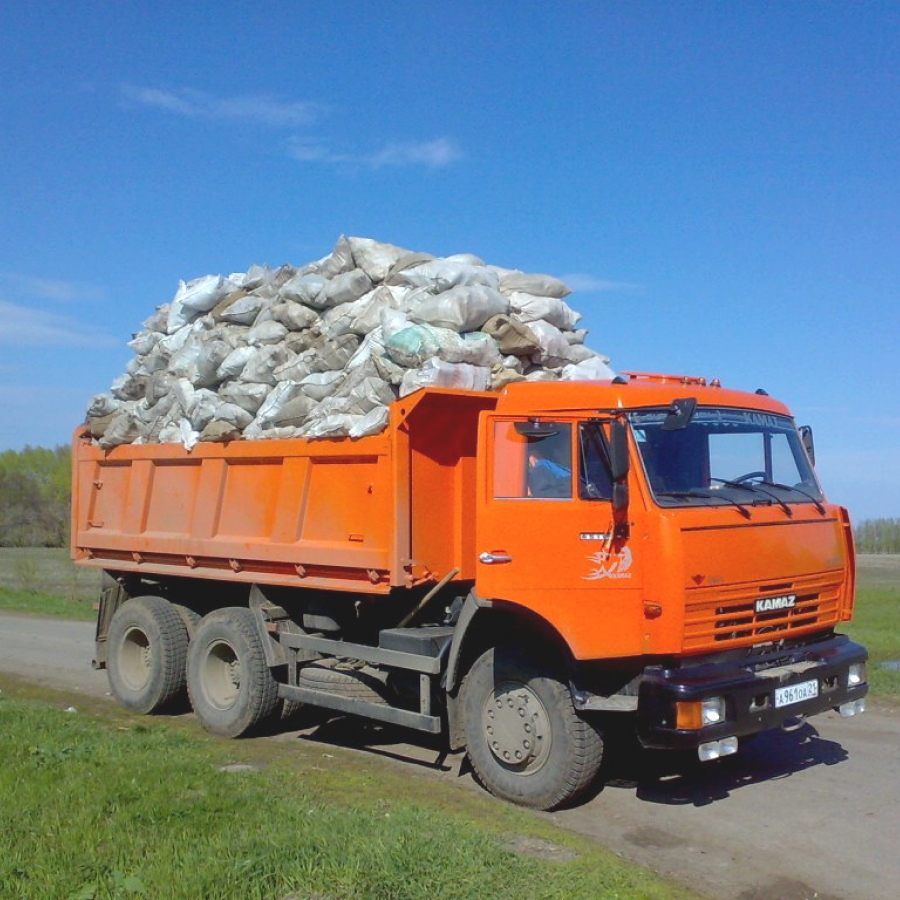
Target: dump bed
[391, 510]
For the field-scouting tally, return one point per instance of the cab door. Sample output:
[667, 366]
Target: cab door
[544, 532]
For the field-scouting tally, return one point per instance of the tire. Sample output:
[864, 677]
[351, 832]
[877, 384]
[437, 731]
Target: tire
[231, 688]
[190, 618]
[146, 654]
[333, 677]
[525, 740]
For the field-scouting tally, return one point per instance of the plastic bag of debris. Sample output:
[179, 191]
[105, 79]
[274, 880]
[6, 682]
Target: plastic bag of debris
[322, 350]
[439, 374]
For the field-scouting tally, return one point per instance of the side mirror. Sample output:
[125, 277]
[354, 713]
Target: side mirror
[620, 497]
[618, 451]
[806, 435]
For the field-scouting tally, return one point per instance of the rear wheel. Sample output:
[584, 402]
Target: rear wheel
[231, 688]
[146, 653]
[525, 740]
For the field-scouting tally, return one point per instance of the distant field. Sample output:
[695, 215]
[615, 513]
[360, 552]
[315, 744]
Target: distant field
[876, 622]
[45, 581]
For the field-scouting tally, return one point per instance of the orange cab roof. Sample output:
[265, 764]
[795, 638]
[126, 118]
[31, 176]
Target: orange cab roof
[640, 391]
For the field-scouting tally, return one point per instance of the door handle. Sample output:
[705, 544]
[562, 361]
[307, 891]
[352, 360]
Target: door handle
[490, 559]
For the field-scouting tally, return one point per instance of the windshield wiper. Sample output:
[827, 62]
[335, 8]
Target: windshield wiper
[787, 487]
[755, 487]
[706, 495]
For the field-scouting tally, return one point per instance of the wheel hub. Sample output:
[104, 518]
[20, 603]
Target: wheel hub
[516, 726]
[135, 658]
[222, 675]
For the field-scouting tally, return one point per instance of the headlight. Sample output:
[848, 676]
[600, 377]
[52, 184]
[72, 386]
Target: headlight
[694, 714]
[857, 674]
[713, 710]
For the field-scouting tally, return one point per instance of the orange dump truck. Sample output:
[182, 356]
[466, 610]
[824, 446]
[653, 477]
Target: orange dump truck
[520, 571]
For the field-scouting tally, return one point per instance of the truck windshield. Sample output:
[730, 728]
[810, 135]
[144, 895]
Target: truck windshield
[731, 456]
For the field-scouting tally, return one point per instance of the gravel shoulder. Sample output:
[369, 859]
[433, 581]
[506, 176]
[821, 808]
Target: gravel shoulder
[812, 813]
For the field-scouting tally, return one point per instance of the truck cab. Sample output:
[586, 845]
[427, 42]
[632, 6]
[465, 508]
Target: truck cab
[684, 555]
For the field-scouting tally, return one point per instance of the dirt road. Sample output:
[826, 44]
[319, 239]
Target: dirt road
[813, 813]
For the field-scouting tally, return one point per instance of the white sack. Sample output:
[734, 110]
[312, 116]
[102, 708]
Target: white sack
[212, 354]
[294, 370]
[234, 415]
[262, 364]
[278, 397]
[233, 364]
[157, 322]
[245, 395]
[196, 297]
[441, 275]
[320, 385]
[470, 259]
[530, 308]
[256, 277]
[437, 373]
[123, 429]
[593, 369]
[374, 258]
[336, 425]
[412, 346]
[183, 364]
[460, 308]
[244, 310]
[304, 288]
[204, 408]
[144, 341]
[170, 345]
[344, 288]
[554, 347]
[103, 405]
[373, 422]
[332, 355]
[294, 316]
[337, 262]
[540, 285]
[269, 332]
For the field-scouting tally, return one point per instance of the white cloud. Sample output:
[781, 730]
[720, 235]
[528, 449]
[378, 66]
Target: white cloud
[54, 289]
[257, 108]
[24, 327]
[434, 154]
[589, 284]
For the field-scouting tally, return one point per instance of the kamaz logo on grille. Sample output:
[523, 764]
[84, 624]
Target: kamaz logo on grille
[772, 604]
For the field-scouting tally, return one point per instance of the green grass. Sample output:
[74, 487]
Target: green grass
[98, 805]
[876, 621]
[46, 582]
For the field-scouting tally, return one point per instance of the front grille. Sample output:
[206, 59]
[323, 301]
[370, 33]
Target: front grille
[717, 618]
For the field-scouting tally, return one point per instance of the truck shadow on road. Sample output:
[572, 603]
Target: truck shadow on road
[681, 779]
[386, 741]
[675, 779]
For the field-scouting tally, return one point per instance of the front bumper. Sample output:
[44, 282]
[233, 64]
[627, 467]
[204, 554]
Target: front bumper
[748, 685]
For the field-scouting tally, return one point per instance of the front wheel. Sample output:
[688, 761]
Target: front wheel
[525, 740]
[231, 688]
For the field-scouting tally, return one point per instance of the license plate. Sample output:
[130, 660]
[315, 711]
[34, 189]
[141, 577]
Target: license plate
[796, 693]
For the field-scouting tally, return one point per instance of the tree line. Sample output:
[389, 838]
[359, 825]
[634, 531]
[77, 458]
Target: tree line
[35, 497]
[36, 491]
[878, 536]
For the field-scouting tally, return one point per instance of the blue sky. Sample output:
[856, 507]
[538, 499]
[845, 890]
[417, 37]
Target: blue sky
[720, 182]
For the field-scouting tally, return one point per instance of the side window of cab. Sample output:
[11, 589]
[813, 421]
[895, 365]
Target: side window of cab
[533, 460]
[594, 478]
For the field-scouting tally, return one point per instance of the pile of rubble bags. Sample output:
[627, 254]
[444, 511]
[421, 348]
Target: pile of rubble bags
[323, 350]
